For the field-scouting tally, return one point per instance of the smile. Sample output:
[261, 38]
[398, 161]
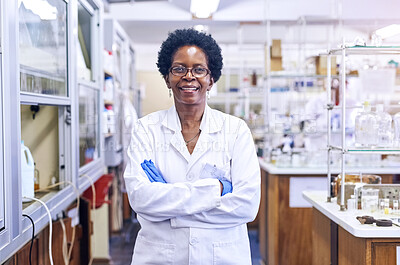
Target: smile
[189, 89]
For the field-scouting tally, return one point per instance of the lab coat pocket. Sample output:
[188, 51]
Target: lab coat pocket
[147, 252]
[214, 171]
[233, 253]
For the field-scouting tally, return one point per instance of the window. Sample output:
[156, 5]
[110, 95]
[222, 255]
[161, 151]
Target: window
[43, 46]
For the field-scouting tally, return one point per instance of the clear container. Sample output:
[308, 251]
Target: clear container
[351, 204]
[395, 206]
[396, 122]
[385, 134]
[366, 128]
[370, 200]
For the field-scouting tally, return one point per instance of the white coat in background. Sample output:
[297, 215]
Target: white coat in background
[186, 221]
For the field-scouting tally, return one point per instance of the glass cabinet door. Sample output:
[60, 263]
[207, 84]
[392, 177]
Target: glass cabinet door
[88, 125]
[2, 198]
[84, 51]
[43, 46]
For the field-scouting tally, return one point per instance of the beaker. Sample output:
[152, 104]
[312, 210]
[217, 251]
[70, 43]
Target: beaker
[370, 200]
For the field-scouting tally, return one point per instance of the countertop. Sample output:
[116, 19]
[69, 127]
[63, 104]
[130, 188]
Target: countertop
[272, 169]
[347, 220]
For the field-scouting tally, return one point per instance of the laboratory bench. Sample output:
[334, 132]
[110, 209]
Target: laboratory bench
[339, 238]
[285, 218]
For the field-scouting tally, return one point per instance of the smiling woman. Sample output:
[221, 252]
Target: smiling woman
[193, 176]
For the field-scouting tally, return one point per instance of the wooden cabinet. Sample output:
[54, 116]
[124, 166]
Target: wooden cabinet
[286, 233]
[331, 244]
[287, 230]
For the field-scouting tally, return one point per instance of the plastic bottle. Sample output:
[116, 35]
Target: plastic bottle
[108, 88]
[27, 173]
[384, 127]
[366, 128]
[396, 121]
[110, 119]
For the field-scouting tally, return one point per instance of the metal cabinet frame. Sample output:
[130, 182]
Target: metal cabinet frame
[17, 230]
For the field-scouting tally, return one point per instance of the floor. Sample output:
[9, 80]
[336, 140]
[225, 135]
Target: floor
[121, 245]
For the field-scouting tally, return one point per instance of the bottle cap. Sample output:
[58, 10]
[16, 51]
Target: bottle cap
[367, 106]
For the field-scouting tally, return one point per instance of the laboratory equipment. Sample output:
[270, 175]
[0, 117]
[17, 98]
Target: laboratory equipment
[366, 127]
[396, 121]
[352, 204]
[384, 131]
[369, 200]
[27, 173]
[352, 179]
[395, 206]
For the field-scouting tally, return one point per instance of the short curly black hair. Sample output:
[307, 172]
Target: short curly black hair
[190, 36]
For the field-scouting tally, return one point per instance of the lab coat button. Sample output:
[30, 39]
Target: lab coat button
[193, 241]
[190, 176]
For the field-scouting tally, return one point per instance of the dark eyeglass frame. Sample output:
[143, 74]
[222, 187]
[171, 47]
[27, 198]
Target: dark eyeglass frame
[191, 71]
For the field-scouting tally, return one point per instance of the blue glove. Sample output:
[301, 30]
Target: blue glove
[226, 187]
[144, 167]
[152, 172]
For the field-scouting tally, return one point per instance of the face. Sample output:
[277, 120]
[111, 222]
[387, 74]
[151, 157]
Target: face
[187, 89]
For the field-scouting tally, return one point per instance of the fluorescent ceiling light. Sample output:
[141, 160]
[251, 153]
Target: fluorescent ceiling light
[203, 8]
[388, 31]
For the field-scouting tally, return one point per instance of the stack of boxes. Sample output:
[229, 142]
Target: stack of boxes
[276, 56]
[321, 64]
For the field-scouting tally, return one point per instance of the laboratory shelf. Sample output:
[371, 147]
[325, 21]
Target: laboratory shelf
[366, 50]
[377, 150]
[299, 76]
[234, 97]
[359, 150]
[27, 98]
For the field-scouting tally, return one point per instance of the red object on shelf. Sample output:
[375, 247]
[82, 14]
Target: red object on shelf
[101, 186]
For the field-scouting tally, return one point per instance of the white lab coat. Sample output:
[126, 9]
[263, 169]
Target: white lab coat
[186, 221]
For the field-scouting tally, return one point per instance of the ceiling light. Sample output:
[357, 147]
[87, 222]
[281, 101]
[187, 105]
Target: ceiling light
[388, 31]
[203, 8]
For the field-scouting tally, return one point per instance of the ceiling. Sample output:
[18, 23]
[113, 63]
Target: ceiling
[244, 20]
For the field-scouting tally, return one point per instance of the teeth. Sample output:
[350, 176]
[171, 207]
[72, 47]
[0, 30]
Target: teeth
[189, 88]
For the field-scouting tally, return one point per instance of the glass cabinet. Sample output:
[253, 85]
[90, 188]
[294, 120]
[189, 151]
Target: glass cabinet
[90, 85]
[2, 197]
[43, 46]
[84, 51]
[89, 126]
[42, 100]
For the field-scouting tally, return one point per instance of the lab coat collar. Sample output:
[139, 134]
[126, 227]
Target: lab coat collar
[210, 123]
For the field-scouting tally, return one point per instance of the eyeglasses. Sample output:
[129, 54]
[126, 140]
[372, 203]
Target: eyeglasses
[197, 72]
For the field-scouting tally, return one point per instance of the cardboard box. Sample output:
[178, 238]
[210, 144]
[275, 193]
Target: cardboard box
[276, 64]
[321, 63]
[276, 51]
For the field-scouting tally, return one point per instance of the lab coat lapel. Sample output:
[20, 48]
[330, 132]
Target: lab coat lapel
[210, 125]
[171, 121]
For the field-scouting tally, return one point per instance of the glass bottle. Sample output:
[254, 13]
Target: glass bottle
[384, 127]
[366, 128]
[36, 183]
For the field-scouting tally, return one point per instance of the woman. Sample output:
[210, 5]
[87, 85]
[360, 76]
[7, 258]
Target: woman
[202, 185]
